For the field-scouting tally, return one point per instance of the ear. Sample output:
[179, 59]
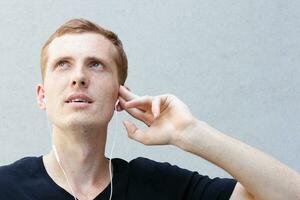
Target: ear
[118, 106]
[40, 96]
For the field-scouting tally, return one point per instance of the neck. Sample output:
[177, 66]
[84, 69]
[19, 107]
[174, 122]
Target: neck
[80, 146]
[81, 154]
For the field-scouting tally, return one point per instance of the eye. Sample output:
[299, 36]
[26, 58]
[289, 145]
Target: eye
[96, 64]
[62, 64]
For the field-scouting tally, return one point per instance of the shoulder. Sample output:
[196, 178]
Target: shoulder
[151, 166]
[146, 169]
[146, 177]
[187, 183]
[19, 168]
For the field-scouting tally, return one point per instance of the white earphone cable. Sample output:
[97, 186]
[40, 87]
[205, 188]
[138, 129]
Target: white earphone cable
[110, 159]
[111, 152]
[58, 161]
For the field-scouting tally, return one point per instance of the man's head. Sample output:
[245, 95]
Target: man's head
[78, 26]
[81, 61]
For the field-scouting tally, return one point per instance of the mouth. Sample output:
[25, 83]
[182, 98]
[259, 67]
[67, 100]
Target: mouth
[79, 99]
[79, 104]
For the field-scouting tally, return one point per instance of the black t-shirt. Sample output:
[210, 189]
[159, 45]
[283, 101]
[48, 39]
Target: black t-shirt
[140, 179]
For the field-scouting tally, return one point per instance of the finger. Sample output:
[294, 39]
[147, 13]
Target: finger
[136, 113]
[134, 133]
[121, 102]
[127, 88]
[139, 102]
[156, 106]
[126, 94]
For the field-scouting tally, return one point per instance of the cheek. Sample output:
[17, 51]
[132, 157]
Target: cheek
[110, 86]
[54, 92]
[115, 89]
[109, 92]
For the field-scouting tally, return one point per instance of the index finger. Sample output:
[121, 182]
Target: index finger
[126, 94]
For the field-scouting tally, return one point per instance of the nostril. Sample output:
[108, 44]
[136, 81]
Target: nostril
[80, 83]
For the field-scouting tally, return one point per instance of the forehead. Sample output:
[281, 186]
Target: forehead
[80, 45]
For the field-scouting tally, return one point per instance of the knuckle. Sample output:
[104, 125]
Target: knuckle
[146, 97]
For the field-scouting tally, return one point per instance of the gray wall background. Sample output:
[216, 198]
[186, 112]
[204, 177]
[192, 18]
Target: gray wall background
[234, 63]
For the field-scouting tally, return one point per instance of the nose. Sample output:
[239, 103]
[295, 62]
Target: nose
[79, 83]
[79, 79]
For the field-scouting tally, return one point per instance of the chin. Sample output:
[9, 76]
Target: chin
[84, 123]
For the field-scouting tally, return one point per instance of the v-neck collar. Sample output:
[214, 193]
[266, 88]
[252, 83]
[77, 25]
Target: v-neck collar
[103, 195]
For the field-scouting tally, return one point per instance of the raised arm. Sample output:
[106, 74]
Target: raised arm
[170, 122]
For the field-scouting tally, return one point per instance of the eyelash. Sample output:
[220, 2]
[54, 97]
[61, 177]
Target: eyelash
[96, 62]
[59, 64]
[63, 62]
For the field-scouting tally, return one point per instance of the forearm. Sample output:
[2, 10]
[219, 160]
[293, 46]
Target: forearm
[261, 175]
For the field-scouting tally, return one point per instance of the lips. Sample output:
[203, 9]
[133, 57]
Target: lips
[79, 98]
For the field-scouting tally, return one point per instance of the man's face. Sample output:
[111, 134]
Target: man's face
[80, 64]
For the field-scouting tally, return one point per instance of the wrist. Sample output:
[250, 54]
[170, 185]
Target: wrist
[188, 136]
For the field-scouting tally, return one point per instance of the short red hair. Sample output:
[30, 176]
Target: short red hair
[85, 26]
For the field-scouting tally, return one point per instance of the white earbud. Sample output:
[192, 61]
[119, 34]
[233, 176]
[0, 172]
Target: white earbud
[116, 105]
[44, 99]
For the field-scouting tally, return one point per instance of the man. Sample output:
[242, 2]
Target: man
[84, 69]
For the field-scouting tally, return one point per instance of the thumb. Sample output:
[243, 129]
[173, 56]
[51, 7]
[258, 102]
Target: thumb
[134, 133]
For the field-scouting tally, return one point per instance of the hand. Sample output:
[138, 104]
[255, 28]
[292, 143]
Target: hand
[166, 116]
